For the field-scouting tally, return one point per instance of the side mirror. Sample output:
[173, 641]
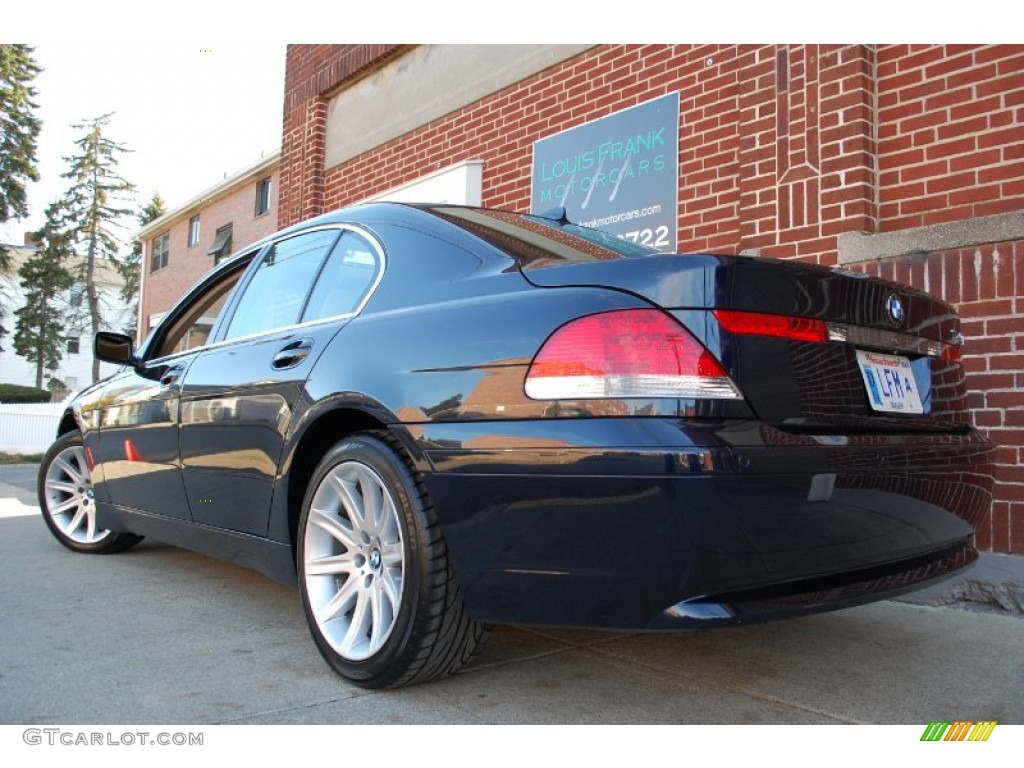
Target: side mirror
[113, 348]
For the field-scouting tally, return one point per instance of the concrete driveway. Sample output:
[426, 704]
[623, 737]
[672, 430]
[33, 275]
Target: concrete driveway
[157, 635]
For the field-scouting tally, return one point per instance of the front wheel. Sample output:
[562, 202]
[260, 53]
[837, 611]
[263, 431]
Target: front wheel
[67, 503]
[377, 586]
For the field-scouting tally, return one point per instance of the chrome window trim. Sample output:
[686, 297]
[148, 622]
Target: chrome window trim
[359, 230]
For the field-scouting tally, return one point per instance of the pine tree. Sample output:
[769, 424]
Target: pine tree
[19, 129]
[39, 332]
[130, 267]
[96, 201]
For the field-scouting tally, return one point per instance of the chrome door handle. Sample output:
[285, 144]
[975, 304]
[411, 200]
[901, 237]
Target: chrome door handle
[170, 376]
[292, 354]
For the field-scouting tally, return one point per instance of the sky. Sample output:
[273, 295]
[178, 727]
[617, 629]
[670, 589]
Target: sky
[189, 114]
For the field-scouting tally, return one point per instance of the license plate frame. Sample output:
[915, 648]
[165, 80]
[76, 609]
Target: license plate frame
[889, 383]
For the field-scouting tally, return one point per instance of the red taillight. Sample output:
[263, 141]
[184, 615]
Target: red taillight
[762, 324]
[626, 353]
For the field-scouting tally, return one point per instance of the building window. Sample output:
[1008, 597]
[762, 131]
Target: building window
[193, 231]
[221, 247]
[161, 252]
[75, 294]
[263, 196]
[73, 346]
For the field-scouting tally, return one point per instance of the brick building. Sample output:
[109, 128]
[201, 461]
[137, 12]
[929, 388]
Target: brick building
[182, 245]
[903, 161]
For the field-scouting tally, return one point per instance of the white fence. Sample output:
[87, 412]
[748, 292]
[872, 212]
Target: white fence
[28, 427]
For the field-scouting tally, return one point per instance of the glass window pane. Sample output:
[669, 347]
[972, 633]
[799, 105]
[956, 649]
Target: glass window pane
[345, 280]
[221, 247]
[192, 329]
[263, 196]
[275, 295]
[161, 249]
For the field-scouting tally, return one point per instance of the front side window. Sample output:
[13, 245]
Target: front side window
[161, 252]
[277, 292]
[193, 327]
[193, 232]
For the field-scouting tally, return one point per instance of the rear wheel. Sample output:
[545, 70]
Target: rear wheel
[67, 503]
[377, 586]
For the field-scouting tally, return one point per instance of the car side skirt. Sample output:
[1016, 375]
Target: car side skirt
[273, 559]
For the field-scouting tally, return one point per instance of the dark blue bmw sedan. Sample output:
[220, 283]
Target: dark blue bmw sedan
[432, 418]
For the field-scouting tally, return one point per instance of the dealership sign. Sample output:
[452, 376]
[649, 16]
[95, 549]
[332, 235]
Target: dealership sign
[619, 174]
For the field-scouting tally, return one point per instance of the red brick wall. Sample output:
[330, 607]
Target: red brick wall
[806, 154]
[781, 150]
[950, 132]
[737, 134]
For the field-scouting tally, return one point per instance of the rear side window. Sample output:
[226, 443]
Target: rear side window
[345, 280]
[275, 295]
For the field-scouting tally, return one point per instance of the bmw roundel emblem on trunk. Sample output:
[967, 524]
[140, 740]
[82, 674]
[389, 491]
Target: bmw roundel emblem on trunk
[894, 308]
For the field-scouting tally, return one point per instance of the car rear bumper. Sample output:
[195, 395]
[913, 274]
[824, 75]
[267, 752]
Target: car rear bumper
[655, 523]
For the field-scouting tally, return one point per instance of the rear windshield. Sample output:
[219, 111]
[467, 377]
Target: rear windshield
[535, 241]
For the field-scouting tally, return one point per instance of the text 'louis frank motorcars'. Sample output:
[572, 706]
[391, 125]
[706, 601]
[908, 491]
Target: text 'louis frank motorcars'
[432, 418]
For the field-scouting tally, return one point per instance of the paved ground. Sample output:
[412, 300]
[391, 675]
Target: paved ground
[157, 635]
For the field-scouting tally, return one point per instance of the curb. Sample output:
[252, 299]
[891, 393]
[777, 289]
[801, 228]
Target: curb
[995, 584]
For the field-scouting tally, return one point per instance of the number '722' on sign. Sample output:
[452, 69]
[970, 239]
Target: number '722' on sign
[890, 383]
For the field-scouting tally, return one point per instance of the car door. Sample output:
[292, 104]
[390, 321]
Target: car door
[136, 448]
[242, 393]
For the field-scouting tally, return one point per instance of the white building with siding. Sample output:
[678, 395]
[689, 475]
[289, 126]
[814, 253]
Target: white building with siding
[75, 369]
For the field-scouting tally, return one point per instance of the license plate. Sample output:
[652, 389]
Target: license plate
[890, 383]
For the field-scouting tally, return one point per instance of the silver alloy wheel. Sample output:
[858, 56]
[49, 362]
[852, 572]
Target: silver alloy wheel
[354, 564]
[69, 497]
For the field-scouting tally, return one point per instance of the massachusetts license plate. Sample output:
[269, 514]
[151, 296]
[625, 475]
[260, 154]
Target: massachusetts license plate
[890, 383]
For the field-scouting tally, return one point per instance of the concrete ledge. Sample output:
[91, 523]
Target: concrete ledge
[423, 84]
[855, 247]
[995, 584]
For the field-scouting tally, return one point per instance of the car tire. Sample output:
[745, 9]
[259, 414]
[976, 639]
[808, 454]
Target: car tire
[378, 588]
[67, 503]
